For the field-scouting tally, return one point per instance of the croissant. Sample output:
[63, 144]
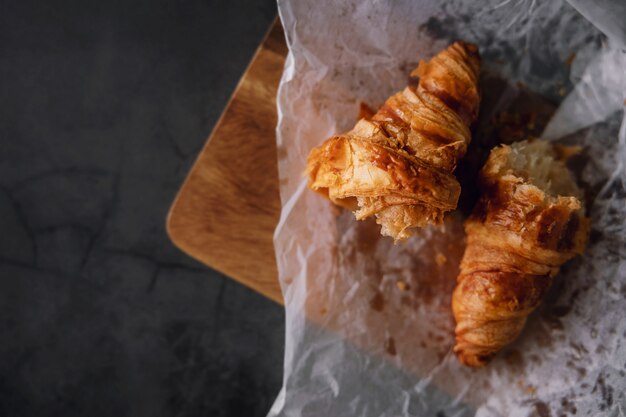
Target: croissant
[398, 164]
[528, 221]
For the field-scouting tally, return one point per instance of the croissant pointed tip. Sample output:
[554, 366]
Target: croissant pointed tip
[469, 46]
[471, 360]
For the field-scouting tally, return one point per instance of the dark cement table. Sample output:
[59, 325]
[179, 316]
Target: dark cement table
[104, 106]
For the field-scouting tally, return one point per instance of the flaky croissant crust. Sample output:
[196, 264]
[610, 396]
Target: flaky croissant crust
[517, 238]
[398, 164]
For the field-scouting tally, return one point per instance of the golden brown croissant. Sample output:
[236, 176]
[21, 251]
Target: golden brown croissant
[527, 223]
[398, 164]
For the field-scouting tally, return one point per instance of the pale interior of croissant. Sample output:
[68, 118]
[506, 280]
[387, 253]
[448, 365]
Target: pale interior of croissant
[537, 163]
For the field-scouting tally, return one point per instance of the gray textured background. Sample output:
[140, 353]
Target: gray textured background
[104, 105]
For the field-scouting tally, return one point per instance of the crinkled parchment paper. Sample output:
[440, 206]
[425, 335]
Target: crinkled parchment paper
[369, 325]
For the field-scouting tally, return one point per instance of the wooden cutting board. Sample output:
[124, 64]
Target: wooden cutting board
[226, 210]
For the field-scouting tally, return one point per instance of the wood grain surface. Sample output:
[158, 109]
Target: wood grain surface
[226, 210]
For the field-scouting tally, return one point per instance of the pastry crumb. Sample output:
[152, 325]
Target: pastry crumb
[528, 389]
[390, 346]
[323, 311]
[440, 259]
[402, 285]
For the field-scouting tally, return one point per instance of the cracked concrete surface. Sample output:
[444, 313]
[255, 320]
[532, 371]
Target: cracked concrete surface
[104, 107]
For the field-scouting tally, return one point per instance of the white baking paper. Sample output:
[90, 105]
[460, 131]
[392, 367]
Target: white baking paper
[369, 329]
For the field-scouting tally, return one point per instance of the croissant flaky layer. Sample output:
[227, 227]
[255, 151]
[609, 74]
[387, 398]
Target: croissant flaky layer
[398, 164]
[527, 223]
